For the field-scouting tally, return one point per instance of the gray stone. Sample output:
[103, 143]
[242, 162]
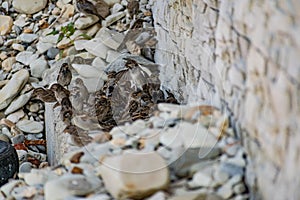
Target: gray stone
[116, 8]
[225, 192]
[113, 18]
[38, 66]
[85, 22]
[29, 6]
[112, 56]
[201, 179]
[239, 188]
[29, 126]
[26, 57]
[18, 139]
[231, 169]
[13, 87]
[88, 71]
[34, 107]
[18, 47]
[25, 167]
[18, 103]
[42, 47]
[52, 52]
[27, 37]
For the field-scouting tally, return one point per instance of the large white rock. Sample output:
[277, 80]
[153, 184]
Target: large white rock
[96, 47]
[85, 22]
[6, 23]
[29, 6]
[111, 39]
[70, 185]
[13, 87]
[134, 175]
[26, 57]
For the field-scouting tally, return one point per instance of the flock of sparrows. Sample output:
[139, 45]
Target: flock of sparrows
[101, 9]
[59, 93]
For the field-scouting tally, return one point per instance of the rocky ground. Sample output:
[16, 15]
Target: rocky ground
[179, 152]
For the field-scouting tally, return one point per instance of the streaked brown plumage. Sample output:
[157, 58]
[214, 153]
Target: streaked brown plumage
[66, 112]
[78, 136]
[59, 91]
[100, 8]
[133, 7]
[64, 75]
[44, 95]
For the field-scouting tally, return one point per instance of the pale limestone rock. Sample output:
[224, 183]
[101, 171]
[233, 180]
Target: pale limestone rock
[111, 39]
[13, 87]
[88, 71]
[26, 57]
[113, 18]
[37, 67]
[29, 126]
[8, 63]
[6, 23]
[134, 175]
[18, 103]
[18, 47]
[29, 6]
[85, 22]
[96, 47]
[112, 2]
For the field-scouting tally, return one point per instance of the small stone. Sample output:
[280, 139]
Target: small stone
[111, 39]
[85, 22]
[35, 177]
[70, 185]
[133, 175]
[7, 188]
[96, 47]
[239, 188]
[26, 57]
[201, 179]
[27, 37]
[13, 87]
[18, 139]
[116, 8]
[25, 167]
[6, 23]
[22, 154]
[38, 66]
[225, 192]
[16, 116]
[29, 126]
[112, 2]
[34, 107]
[18, 103]
[79, 44]
[52, 52]
[18, 47]
[231, 169]
[42, 47]
[29, 6]
[220, 176]
[113, 18]
[68, 13]
[8, 63]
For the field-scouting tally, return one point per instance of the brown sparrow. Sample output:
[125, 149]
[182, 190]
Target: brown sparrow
[66, 112]
[79, 137]
[44, 95]
[59, 91]
[133, 7]
[64, 75]
[82, 89]
[100, 9]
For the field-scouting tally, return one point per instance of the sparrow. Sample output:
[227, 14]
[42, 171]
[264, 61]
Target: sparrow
[79, 137]
[44, 95]
[76, 99]
[64, 75]
[59, 91]
[82, 89]
[133, 7]
[100, 8]
[66, 111]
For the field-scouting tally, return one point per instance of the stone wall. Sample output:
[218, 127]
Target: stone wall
[241, 55]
